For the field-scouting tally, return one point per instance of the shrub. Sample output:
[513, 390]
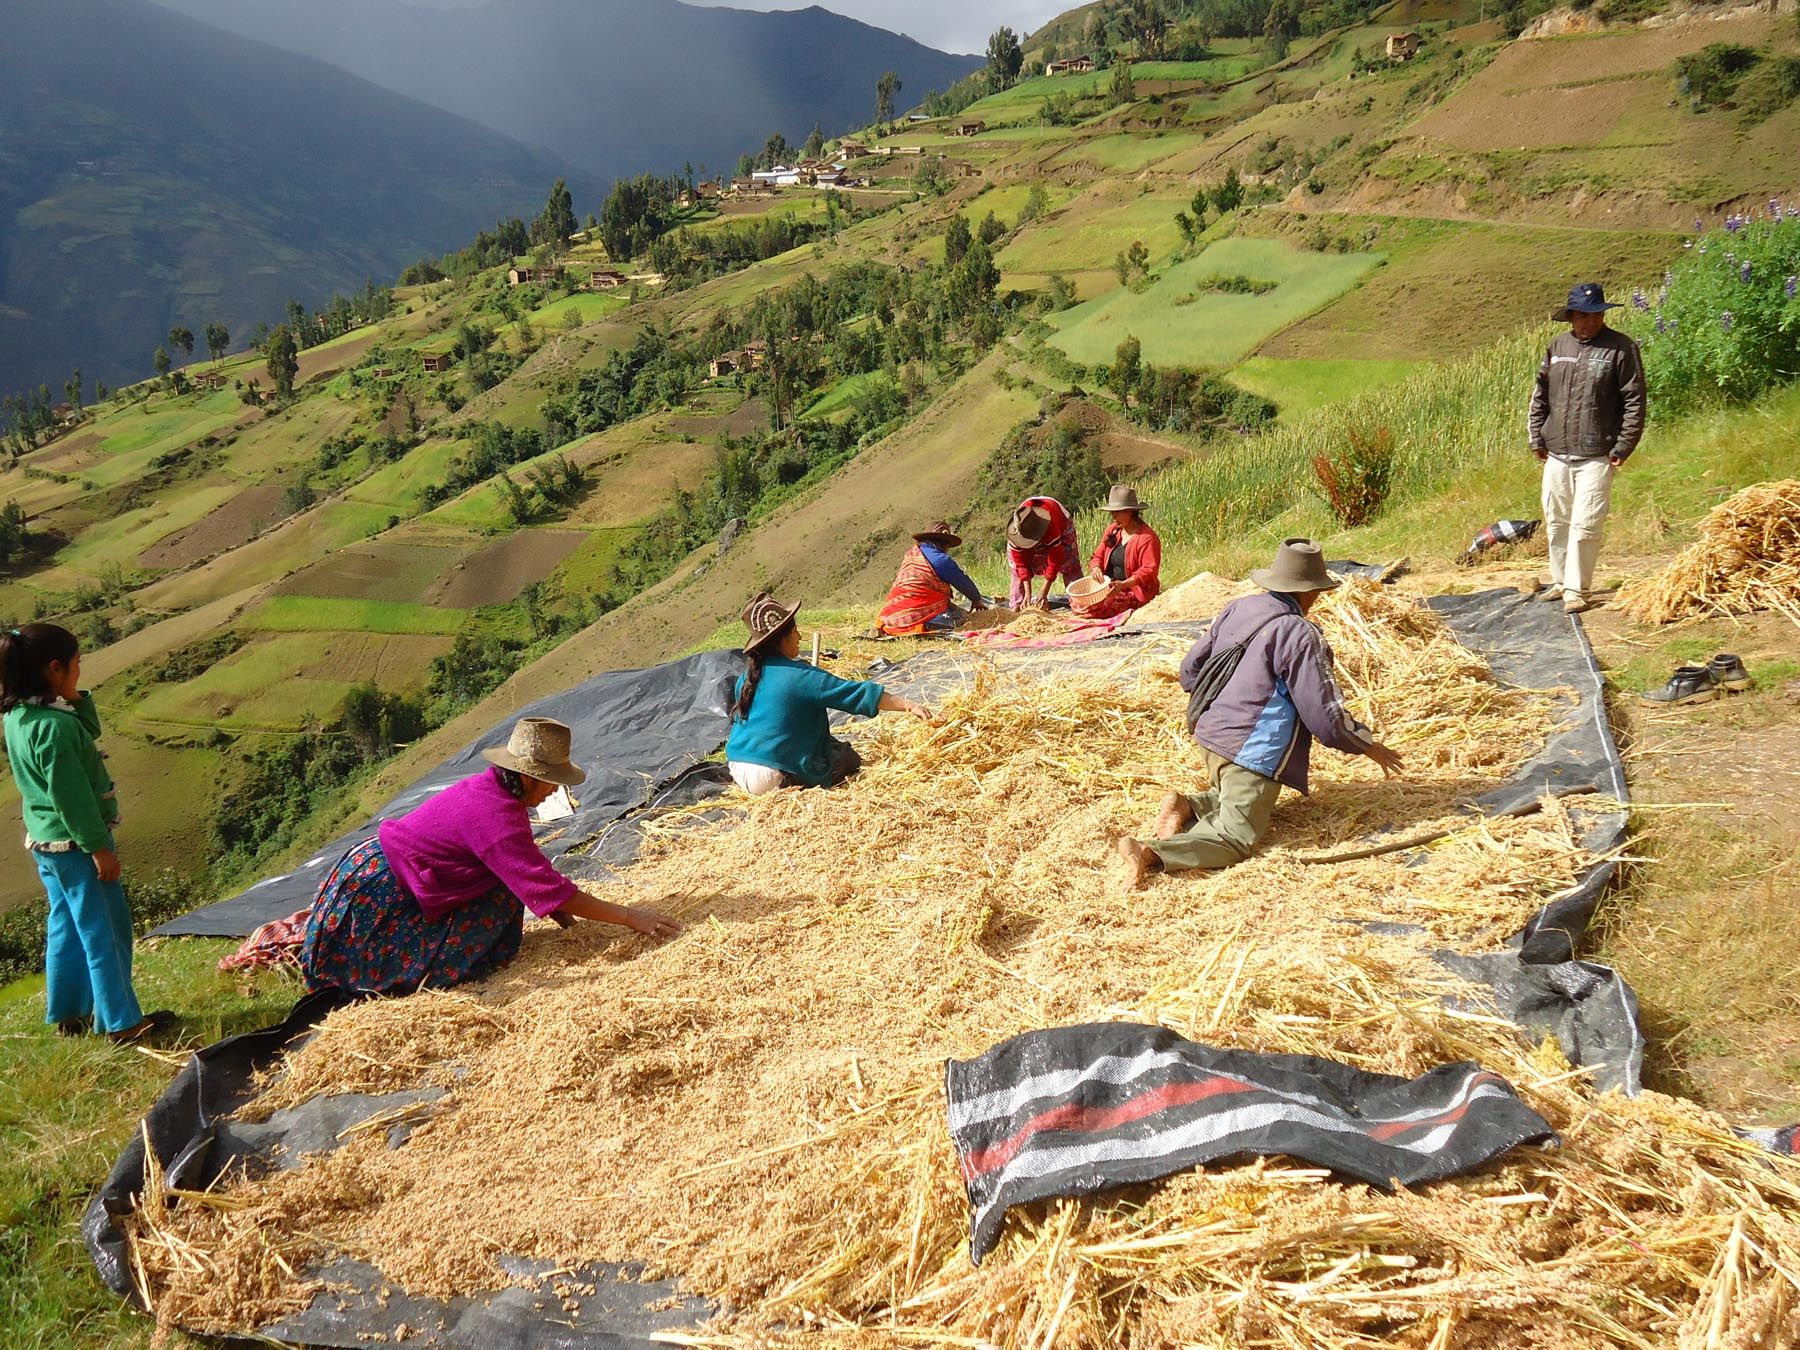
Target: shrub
[1712, 74]
[1725, 324]
[1358, 476]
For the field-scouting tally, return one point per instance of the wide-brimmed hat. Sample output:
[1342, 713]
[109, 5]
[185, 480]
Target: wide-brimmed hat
[1122, 498]
[939, 530]
[1299, 566]
[1030, 524]
[765, 617]
[538, 748]
[1587, 298]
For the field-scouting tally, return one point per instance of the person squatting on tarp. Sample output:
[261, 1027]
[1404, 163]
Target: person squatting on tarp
[1129, 556]
[1256, 730]
[1041, 546]
[1587, 416]
[437, 897]
[920, 600]
[781, 709]
[70, 808]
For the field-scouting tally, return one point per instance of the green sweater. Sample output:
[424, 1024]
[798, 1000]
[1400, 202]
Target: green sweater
[68, 794]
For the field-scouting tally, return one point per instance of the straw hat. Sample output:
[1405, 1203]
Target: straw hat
[1122, 498]
[940, 531]
[538, 748]
[1029, 526]
[765, 617]
[1299, 567]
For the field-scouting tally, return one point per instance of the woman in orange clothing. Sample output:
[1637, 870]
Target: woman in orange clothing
[1129, 556]
[922, 599]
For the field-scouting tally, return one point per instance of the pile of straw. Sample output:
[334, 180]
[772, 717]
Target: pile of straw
[756, 1106]
[1747, 558]
[1195, 600]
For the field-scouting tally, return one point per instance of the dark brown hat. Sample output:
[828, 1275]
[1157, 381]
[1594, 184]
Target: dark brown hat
[765, 617]
[1299, 566]
[942, 532]
[1030, 524]
[538, 748]
[1122, 498]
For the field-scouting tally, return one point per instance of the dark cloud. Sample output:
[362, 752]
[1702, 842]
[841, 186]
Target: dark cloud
[949, 25]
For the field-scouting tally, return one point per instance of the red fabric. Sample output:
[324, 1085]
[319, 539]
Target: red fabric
[1058, 556]
[1143, 570]
[917, 596]
[276, 943]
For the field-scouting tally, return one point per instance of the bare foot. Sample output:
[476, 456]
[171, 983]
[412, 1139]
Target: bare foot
[1174, 815]
[1140, 861]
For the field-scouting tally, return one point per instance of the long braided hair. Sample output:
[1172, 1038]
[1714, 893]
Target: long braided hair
[25, 655]
[753, 675]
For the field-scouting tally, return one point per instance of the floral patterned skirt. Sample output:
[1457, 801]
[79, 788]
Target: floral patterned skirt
[367, 934]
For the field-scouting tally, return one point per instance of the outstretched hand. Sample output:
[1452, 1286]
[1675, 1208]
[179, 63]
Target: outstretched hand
[650, 923]
[1391, 765]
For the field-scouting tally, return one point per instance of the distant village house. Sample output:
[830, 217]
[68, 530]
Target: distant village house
[527, 276]
[437, 362]
[1403, 46]
[210, 379]
[1069, 65]
[971, 128]
[852, 149]
[725, 363]
[605, 279]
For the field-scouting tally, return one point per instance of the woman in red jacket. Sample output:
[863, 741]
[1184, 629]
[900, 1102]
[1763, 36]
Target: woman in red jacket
[1129, 556]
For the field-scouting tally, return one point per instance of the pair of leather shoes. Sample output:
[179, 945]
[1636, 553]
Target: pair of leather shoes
[146, 1032]
[1700, 684]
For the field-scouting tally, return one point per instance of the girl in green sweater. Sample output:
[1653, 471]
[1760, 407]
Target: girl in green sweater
[70, 809]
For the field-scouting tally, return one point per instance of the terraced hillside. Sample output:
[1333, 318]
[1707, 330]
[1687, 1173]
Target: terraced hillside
[461, 540]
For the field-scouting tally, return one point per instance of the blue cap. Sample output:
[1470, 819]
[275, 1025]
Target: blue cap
[1587, 298]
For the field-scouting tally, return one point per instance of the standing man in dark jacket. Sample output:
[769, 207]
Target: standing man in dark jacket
[1587, 416]
[1257, 734]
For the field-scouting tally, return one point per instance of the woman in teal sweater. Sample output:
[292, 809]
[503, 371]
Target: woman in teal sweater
[781, 715]
[70, 809]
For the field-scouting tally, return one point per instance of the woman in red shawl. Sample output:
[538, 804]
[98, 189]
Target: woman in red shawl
[1129, 556]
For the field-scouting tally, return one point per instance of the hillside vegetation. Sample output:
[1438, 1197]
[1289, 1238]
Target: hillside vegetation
[1143, 269]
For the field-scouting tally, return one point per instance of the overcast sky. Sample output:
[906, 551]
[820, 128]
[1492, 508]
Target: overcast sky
[949, 25]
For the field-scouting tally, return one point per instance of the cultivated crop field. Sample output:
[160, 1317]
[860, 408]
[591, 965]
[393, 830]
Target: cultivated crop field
[1178, 320]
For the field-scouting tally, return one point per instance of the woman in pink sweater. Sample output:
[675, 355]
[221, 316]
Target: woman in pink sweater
[438, 897]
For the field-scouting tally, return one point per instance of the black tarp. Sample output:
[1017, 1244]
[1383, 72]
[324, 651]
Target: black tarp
[1079, 1110]
[642, 735]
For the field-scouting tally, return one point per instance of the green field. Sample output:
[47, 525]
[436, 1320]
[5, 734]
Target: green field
[1128, 154]
[315, 613]
[1089, 232]
[1178, 323]
[842, 396]
[1301, 385]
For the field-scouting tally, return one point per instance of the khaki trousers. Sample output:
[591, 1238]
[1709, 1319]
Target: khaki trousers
[1577, 496]
[1228, 820]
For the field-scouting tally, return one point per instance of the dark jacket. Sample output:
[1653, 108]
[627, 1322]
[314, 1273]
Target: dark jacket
[1282, 695]
[1589, 399]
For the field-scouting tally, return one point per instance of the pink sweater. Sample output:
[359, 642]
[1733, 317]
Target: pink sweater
[472, 837]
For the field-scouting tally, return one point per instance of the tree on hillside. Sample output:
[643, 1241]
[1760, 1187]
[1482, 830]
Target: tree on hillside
[1123, 376]
[1098, 38]
[1145, 24]
[634, 216]
[1124, 89]
[556, 222]
[182, 340]
[885, 90]
[956, 240]
[1229, 194]
[283, 360]
[815, 143]
[775, 151]
[160, 360]
[990, 228]
[1281, 24]
[72, 389]
[1004, 58]
[218, 338]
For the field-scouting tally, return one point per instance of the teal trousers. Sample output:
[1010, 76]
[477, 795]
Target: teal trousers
[87, 947]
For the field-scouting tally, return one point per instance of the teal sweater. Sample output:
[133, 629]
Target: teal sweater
[68, 794]
[789, 726]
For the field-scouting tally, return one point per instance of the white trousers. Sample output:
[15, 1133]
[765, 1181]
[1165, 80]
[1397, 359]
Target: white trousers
[1577, 496]
[756, 779]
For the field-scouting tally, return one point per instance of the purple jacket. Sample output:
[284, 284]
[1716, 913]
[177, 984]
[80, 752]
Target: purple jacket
[1282, 695]
[472, 837]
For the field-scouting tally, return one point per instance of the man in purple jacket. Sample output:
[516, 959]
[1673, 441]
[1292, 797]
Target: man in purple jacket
[1257, 734]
